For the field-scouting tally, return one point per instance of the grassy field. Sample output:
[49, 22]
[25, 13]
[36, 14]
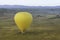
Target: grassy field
[38, 31]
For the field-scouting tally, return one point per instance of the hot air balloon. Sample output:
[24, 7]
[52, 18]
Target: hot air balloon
[23, 20]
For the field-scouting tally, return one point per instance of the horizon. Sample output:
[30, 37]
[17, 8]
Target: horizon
[24, 5]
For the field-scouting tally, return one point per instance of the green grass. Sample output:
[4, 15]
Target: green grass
[43, 30]
[12, 34]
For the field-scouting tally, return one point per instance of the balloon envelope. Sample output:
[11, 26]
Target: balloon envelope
[23, 20]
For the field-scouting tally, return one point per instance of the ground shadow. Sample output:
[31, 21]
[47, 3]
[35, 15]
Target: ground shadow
[36, 32]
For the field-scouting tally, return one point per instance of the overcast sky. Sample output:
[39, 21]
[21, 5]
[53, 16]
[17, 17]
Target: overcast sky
[31, 2]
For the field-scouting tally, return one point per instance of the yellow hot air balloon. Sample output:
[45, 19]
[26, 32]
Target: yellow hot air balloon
[23, 20]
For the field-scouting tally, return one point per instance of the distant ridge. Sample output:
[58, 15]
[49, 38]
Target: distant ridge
[22, 6]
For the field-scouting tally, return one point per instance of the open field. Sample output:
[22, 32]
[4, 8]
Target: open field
[47, 29]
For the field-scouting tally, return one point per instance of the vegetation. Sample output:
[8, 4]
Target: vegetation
[44, 27]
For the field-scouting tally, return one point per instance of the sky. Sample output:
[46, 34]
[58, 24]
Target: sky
[31, 2]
